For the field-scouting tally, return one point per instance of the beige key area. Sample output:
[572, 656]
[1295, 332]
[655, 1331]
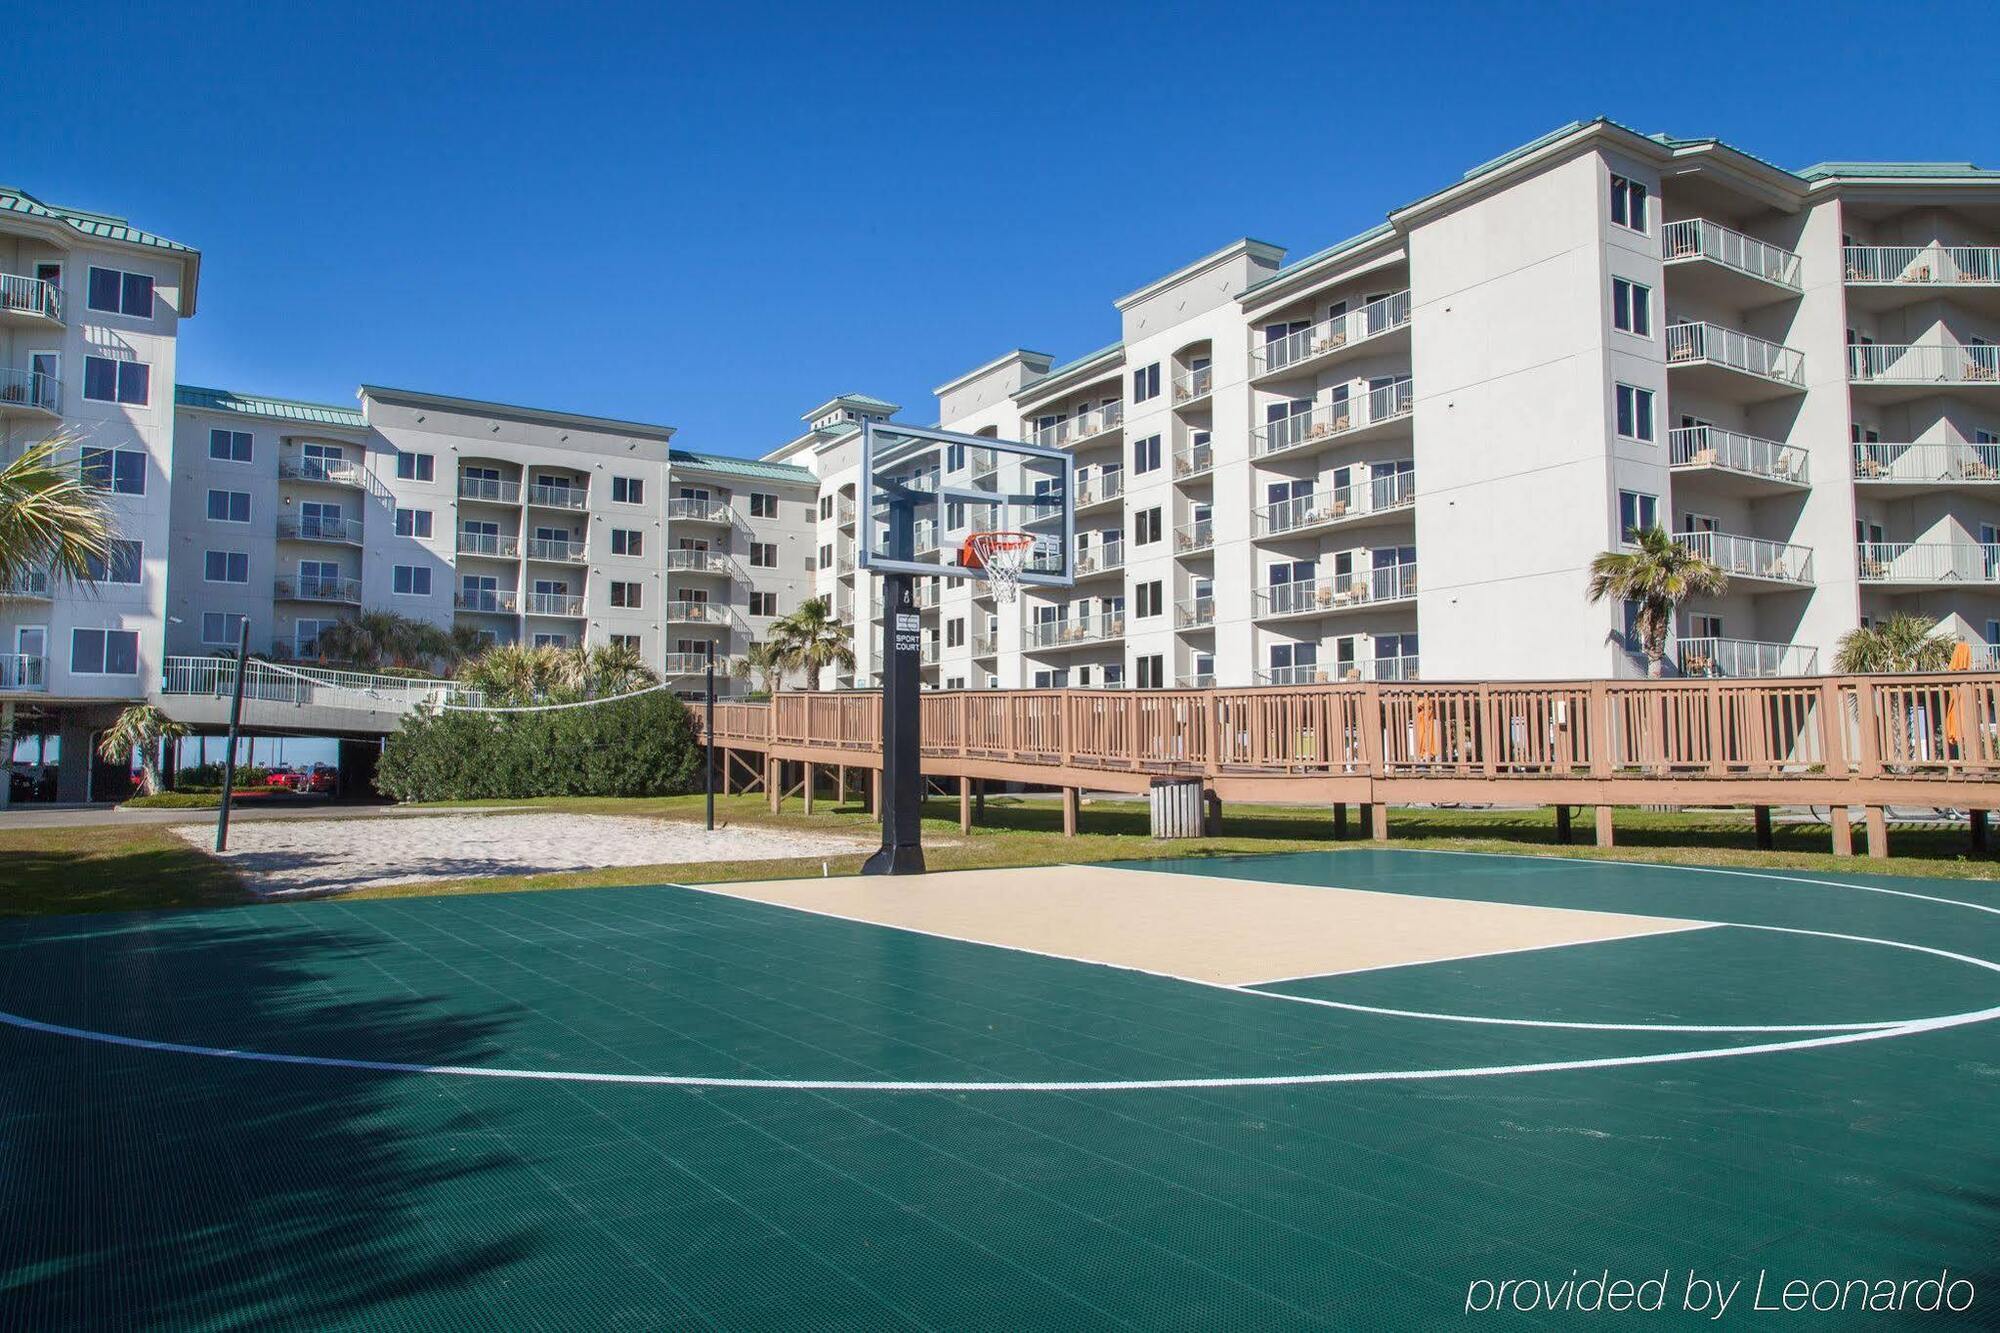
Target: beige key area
[1198, 927]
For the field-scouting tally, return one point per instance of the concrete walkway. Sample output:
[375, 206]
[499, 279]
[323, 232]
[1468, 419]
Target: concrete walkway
[85, 816]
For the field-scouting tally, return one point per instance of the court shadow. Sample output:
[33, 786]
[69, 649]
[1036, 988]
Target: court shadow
[154, 1189]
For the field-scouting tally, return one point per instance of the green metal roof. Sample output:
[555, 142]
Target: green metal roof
[753, 468]
[1374, 233]
[99, 226]
[549, 416]
[866, 400]
[1899, 170]
[1057, 372]
[260, 405]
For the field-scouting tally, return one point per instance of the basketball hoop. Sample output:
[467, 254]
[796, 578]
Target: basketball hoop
[1000, 556]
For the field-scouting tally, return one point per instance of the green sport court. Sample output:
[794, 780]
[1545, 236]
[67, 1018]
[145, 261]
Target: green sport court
[666, 1107]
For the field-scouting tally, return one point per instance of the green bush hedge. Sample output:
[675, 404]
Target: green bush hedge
[643, 746]
[210, 775]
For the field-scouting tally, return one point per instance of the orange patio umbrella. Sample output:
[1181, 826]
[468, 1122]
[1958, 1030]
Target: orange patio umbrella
[1427, 731]
[1954, 725]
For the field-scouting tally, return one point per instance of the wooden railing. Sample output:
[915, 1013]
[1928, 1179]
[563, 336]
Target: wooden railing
[1920, 726]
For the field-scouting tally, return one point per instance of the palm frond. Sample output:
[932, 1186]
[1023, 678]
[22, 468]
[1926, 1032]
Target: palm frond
[50, 518]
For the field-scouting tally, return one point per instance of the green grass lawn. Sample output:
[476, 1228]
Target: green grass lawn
[109, 868]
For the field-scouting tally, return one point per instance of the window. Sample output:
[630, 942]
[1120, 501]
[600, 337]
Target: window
[1635, 413]
[825, 507]
[627, 641]
[226, 566]
[1145, 455]
[1152, 673]
[1628, 204]
[826, 556]
[120, 471]
[229, 506]
[628, 490]
[229, 446]
[763, 555]
[1149, 599]
[1146, 526]
[1637, 511]
[628, 541]
[413, 522]
[551, 641]
[109, 381]
[625, 595]
[415, 467]
[221, 627]
[1146, 383]
[763, 604]
[413, 580]
[954, 632]
[762, 505]
[104, 652]
[1632, 307]
[121, 566]
[954, 458]
[118, 293]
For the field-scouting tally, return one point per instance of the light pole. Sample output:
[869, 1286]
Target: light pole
[708, 735]
[235, 725]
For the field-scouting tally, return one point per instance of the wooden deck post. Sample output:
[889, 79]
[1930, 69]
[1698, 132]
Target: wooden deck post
[1843, 830]
[1072, 802]
[1763, 814]
[965, 805]
[1605, 836]
[843, 784]
[1562, 825]
[773, 782]
[1976, 820]
[1878, 831]
[1339, 821]
[875, 793]
[812, 772]
[726, 757]
[1378, 821]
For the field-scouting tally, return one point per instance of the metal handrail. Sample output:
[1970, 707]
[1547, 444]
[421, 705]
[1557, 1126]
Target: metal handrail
[1922, 265]
[1364, 587]
[1924, 363]
[1928, 461]
[1195, 613]
[1197, 535]
[304, 527]
[22, 295]
[1378, 317]
[1698, 238]
[1751, 557]
[1082, 426]
[1190, 385]
[560, 549]
[501, 544]
[1740, 658]
[558, 497]
[23, 671]
[30, 388]
[491, 489]
[1379, 494]
[1098, 628]
[1194, 460]
[319, 590]
[273, 682]
[337, 473]
[552, 603]
[1329, 420]
[1712, 446]
[1699, 342]
[1929, 562]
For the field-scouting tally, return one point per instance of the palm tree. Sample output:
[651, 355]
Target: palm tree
[373, 640]
[762, 662]
[809, 640]
[1900, 643]
[616, 668]
[50, 518]
[1656, 574]
[140, 730]
[509, 673]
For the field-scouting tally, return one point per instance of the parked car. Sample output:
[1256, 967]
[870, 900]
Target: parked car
[324, 780]
[281, 777]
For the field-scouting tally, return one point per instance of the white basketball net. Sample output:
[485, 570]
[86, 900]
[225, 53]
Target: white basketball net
[1001, 558]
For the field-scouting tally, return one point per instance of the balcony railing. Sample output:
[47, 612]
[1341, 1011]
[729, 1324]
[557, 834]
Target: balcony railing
[1391, 490]
[559, 549]
[984, 645]
[1326, 421]
[1945, 461]
[685, 611]
[691, 561]
[1331, 335]
[1736, 658]
[1367, 587]
[1702, 343]
[1193, 385]
[696, 664]
[307, 528]
[1698, 238]
[1196, 536]
[1751, 557]
[34, 583]
[319, 590]
[686, 509]
[490, 489]
[1924, 363]
[553, 603]
[1195, 680]
[1194, 460]
[497, 544]
[1929, 562]
[1082, 629]
[1923, 265]
[30, 390]
[558, 497]
[30, 297]
[844, 512]
[1332, 673]
[1099, 559]
[1195, 613]
[494, 603]
[1711, 446]
[1081, 427]
[1100, 487]
[334, 471]
[23, 671]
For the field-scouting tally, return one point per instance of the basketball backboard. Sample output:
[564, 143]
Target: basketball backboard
[949, 486]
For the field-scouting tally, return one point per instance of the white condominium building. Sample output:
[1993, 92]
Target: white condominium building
[1401, 453]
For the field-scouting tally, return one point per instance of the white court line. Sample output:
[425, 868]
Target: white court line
[1483, 953]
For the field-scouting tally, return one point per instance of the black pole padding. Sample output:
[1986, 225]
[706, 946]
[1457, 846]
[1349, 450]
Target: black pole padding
[902, 740]
[235, 729]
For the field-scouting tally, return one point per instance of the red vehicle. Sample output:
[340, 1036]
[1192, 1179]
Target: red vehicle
[323, 780]
[281, 777]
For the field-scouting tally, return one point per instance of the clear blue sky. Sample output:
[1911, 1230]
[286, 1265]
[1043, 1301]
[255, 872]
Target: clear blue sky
[717, 216]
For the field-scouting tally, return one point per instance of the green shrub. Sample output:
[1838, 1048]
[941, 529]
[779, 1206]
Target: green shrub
[210, 775]
[636, 747]
[175, 800]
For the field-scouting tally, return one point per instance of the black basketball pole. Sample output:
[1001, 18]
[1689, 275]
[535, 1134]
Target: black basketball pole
[902, 744]
[708, 731]
[235, 726]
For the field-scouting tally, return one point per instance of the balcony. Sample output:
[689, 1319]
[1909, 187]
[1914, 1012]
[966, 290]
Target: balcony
[1331, 339]
[686, 509]
[345, 592]
[1705, 247]
[23, 671]
[1192, 387]
[545, 496]
[306, 528]
[569, 604]
[984, 645]
[1754, 560]
[1336, 673]
[1103, 558]
[1195, 613]
[1097, 423]
[496, 545]
[29, 393]
[1929, 564]
[1733, 363]
[488, 603]
[696, 664]
[1749, 465]
[30, 301]
[29, 584]
[1744, 658]
[556, 550]
[1926, 364]
[1194, 538]
[1082, 631]
[1387, 585]
[1196, 460]
[1882, 277]
[1195, 680]
[490, 490]
[1375, 498]
[687, 611]
[331, 471]
[844, 512]
[1100, 488]
[691, 561]
[1911, 469]
[1343, 421]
